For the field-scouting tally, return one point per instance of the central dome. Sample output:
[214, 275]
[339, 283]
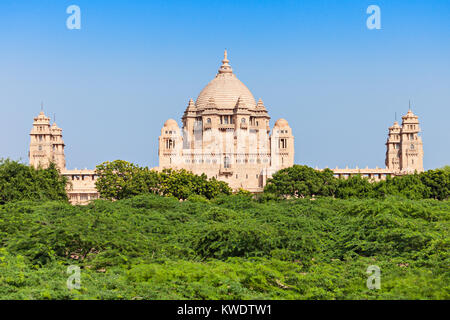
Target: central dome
[225, 89]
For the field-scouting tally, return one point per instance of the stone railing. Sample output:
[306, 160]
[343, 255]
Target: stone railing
[225, 171]
[226, 126]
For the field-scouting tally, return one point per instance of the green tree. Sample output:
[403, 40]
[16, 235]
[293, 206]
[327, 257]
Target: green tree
[302, 181]
[182, 184]
[437, 182]
[120, 179]
[446, 169]
[22, 182]
[355, 187]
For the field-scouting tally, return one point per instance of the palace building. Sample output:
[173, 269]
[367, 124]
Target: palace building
[47, 146]
[225, 134]
[404, 152]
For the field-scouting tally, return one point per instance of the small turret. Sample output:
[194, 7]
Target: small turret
[282, 144]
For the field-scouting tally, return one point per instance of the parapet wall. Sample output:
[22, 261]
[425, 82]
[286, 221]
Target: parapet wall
[376, 174]
[81, 187]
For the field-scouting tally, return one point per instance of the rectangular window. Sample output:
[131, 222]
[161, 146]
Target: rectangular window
[282, 143]
[170, 144]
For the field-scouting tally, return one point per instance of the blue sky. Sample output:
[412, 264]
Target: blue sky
[135, 64]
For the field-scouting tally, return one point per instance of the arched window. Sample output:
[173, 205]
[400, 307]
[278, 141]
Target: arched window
[208, 120]
[243, 120]
[412, 147]
[282, 143]
[170, 144]
[226, 162]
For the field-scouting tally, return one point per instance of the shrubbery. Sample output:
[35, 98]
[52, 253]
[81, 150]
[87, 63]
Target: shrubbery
[213, 245]
[120, 179]
[231, 247]
[22, 182]
[303, 181]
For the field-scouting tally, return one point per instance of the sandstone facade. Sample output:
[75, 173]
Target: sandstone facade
[225, 134]
[46, 143]
[404, 147]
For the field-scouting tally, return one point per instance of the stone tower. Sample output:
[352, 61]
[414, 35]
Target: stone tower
[411, 144]
[170, 144]
[393, 148]
[282, 144]
[404, 147]
[46, 144]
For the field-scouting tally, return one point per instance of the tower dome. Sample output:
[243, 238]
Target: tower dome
[171, 123]
[225, 89]
[281, 123]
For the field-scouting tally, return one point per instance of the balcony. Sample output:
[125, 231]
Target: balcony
[224, 126]
[225, 171]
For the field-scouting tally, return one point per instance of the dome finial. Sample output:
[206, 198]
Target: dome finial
[42, 108]
[225, 67]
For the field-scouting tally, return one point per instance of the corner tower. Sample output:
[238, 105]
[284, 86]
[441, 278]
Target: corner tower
[393, 152]
[170, 144]
[46, 144]
[411, 158]
[282, 145]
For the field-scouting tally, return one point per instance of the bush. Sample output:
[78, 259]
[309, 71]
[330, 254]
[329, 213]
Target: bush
[21, 182]
[120, 180]
[302, 181]
[231, 247]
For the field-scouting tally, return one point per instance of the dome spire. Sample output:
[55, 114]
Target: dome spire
[225, 67]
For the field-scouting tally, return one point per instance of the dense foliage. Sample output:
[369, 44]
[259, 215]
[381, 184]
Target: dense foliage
[22, 182]
[231, 247]
[316, 244]
[120, 180]
[303, 181]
